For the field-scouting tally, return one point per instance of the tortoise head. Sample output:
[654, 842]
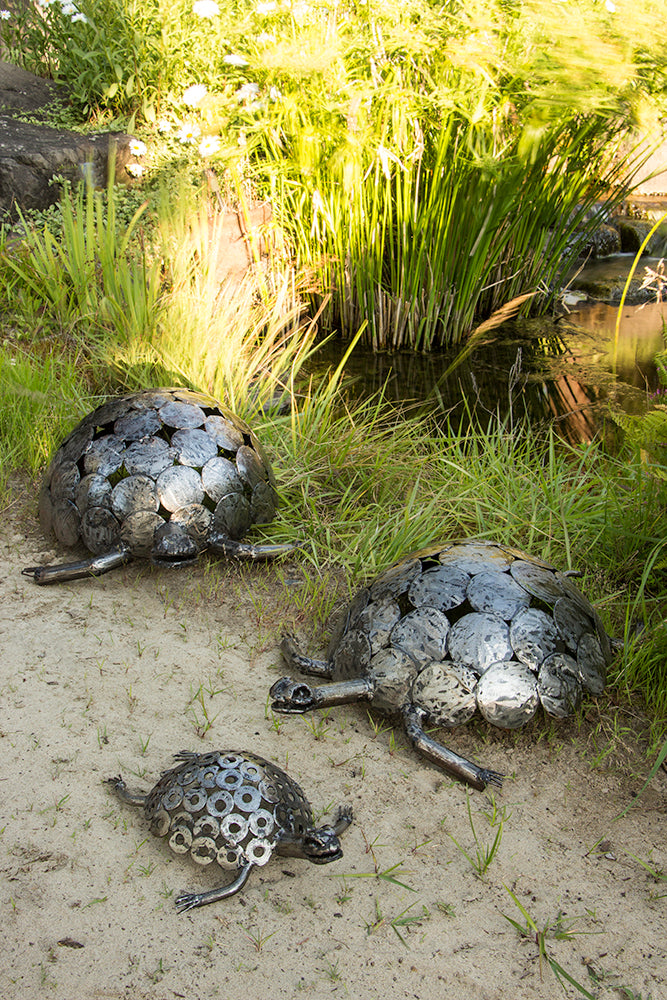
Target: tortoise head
[317, 844]
[292, 696]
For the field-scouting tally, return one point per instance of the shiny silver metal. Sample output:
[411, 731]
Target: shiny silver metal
[161, 474]
[237, 825]
[463, 627]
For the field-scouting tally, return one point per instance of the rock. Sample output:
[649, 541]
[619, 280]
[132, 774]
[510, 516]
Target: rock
[32, 155]
[633, 232]
[604, 242]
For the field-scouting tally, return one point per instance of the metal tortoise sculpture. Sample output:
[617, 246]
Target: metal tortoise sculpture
[163, 474]
[459, 627]
[236, 809]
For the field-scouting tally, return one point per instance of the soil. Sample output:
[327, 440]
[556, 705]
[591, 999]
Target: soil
[114, 675]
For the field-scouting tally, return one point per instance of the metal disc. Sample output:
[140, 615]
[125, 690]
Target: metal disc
[591, 664]
[392, 673]
[182, 415]
[558, 685]
[100, 530]
[109, 412]
[219, 477]
[446, 692]
[66, 522]
[226, 435]
[476, 556]
[137, 424]
[195, 799]
[206, 826]
[230, 779]
[194, 447]
[395, 580]
[507, 694]
[229, 857]
[263, 503]
[352, 657]
[377, 620]
[234, 827]
[172, 798]
[537, 580]
[138, 531]
[150, 456]
[76, 443]
[160, 823]
[347, 619]
[497, 594]
[572, 591]
[261, 823]
[232, 515]
[132, 494]
[263, 457]
[571, 623]
[442, 587]
[179, 486]
[195, 521]
[219, 803]
[422, 634]
[180, 840]
[229, 760]
[478, 640]
[93, 491]
[64, 481]
[533, 635]
[247, 798]
[206, 775]
[105, 455]
[203, 850]
[250, 466]
[258, 851]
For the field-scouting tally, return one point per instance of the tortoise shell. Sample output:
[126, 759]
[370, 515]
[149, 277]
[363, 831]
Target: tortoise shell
[473, 625]
[158, 472]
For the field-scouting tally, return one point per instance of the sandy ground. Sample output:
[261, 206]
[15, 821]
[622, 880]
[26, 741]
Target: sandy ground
[114, 675]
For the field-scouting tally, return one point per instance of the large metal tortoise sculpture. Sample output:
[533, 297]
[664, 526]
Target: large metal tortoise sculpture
[233, 808]
[460, 627]
[162, 474]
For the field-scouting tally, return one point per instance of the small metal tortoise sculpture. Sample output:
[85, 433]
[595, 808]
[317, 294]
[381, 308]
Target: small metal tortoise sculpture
[163, 474]
[236, 809]
[459, 627]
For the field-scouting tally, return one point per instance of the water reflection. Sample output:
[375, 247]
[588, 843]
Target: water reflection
[563, 371]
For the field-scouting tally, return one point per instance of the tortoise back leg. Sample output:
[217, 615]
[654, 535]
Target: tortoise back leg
[296, 659]
[190, 900]
[459, 767]
[226, 546]
[95, 566]
[297, 696]
[119, 787]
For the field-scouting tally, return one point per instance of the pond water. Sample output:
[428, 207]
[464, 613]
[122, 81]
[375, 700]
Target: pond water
[566, 370]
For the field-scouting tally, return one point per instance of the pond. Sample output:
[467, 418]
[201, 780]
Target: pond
[567, 370]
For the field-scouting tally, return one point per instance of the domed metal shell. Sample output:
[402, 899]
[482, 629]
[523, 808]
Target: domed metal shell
[476, 625]
[228, 807]
[144, 460]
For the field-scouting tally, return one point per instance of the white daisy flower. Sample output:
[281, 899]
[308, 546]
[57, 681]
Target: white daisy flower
[205, 8]
[194, 95]
[247, 92]
[188, 133]
[234, 60]
[4, 15]
[134, 169]
[137, 147]
[266, 7]
[274, 94]
[79, 17]
[209, 145]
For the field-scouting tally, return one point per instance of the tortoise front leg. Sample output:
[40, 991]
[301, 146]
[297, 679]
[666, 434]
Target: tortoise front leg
[190, 900]
[459, 767]
[95, 566]
[298, 696]
[297, 661]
